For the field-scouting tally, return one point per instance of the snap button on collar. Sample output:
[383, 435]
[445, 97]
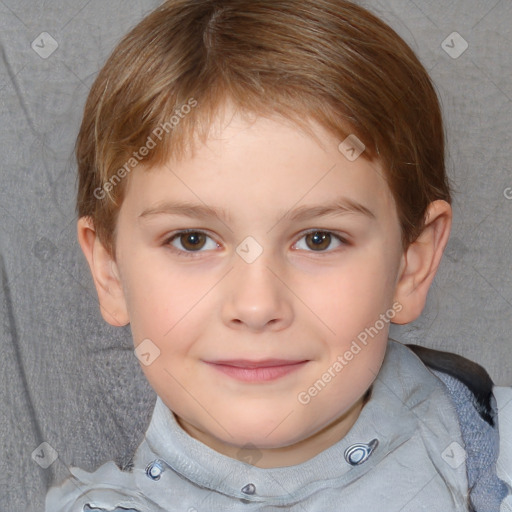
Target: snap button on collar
[154, 470]
[249, 489]
[358, 453]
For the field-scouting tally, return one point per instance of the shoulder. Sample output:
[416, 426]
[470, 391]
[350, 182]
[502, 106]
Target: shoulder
[108, 489]
[485, 416]
[473, 376]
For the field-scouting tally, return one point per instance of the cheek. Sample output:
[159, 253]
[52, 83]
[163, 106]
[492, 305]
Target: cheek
[351, 304]
[350, 297]
[161, 300]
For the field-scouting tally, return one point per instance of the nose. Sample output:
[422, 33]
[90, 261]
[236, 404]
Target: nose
[256, 296]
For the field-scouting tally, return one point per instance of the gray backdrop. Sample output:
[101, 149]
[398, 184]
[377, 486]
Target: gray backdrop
[70, 380]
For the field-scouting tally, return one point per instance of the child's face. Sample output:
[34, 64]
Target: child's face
[201, 302]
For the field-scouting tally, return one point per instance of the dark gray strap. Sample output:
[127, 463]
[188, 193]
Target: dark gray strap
[471, 374]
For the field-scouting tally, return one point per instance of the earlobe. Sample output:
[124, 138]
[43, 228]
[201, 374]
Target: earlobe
[421, 261]
[105, 273]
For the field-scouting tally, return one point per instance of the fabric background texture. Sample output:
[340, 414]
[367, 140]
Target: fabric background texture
[71, 391]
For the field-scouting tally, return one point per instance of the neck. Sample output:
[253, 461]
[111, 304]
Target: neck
[291, 455]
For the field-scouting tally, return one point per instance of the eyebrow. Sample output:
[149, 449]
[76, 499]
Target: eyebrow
[340, 206]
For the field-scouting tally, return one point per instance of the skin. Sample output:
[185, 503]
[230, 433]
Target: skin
[294, 301]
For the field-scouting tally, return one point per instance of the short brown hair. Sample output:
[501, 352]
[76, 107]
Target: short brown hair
[327, 60]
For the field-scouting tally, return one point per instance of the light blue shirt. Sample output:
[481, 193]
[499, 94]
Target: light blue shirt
[404, 453]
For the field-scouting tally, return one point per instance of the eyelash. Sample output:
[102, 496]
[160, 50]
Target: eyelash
[192, 254]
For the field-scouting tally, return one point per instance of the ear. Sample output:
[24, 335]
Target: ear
[420, 262]
[105, 273]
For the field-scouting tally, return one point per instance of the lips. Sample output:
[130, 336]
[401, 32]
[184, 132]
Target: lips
[246, 363]
[257, 371]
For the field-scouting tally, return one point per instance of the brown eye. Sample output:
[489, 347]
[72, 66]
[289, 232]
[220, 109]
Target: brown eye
[192, 241]
[321, 242]
[318, 240]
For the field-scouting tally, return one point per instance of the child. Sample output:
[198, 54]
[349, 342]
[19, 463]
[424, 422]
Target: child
[262, 191]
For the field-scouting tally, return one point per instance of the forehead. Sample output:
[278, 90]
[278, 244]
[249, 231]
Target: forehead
[267, 164]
